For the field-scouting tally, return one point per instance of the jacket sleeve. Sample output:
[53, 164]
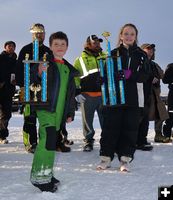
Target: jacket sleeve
[72, 102]
[78, 67]
[160, 71]
[168, 76]
[20, 69]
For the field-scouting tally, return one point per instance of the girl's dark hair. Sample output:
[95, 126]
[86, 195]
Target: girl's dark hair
[122, 29]
[58, 35]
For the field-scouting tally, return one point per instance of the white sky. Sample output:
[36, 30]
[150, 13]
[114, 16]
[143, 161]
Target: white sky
[80, 18]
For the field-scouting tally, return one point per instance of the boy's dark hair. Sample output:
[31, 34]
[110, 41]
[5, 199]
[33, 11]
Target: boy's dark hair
[58, 35]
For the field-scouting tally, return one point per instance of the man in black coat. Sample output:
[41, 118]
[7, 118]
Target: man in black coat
[168, 124]
[142, 143]
[29, 127]
[7, 87]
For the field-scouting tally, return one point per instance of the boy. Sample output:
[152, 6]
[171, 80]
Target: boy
[61, 108]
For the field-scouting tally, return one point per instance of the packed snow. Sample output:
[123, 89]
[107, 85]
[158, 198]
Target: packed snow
[77, 170]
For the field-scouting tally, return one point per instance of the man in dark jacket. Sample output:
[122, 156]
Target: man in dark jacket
[157, 109]
[142, 143]
[168, 124]
[7, 87]
[29, 127]
[154, 107]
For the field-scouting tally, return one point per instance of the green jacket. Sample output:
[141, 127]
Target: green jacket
[88, 80]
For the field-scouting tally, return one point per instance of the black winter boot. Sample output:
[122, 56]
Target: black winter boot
[47, 187]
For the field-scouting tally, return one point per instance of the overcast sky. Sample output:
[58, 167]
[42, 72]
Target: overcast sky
[80, 18]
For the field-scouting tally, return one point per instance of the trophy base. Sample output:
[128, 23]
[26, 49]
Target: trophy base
[34, 103]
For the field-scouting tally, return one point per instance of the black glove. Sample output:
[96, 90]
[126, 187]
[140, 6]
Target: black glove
[120, 75]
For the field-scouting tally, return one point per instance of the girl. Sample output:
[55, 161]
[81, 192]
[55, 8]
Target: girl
[120, 123]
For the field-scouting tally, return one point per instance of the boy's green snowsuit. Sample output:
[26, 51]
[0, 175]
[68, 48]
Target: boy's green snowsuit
[62, 105]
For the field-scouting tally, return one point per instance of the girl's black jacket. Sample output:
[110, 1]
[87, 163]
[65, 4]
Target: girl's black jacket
[53, 86]
[135, 59]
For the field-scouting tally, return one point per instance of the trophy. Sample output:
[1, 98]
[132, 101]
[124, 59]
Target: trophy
[34, 92]
[112, 96]
[44, 81]
[35, 88]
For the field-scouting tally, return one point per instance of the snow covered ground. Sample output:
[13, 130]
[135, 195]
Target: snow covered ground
[77, 170]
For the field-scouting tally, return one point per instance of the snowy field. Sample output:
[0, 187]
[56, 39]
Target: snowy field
[77, 170]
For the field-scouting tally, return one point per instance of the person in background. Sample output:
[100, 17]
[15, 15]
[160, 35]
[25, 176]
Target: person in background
[121, 122]
[155, 109]
[89, 87]
[60, 110]
[7, 87]
[29, 126]
[63, 139]
[168, 124]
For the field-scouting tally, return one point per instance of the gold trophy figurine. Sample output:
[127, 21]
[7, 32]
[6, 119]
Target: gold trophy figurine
[35, 89]
[106, 34]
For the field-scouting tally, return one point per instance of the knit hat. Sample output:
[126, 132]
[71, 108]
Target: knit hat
[10, 42]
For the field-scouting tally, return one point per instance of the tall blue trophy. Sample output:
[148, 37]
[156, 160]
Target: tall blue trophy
[34, 92]
[112, 90]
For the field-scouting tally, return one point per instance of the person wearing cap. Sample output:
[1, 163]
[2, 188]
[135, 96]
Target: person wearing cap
[168, 123]
[29, 127]
[89, 87]
[7, 87]
[155, 109]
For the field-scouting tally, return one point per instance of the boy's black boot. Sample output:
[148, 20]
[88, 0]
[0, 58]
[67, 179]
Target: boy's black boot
[55, 181]
[47, 187]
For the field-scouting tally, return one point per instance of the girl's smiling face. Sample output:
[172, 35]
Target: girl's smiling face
[59, 48]
[128, 36]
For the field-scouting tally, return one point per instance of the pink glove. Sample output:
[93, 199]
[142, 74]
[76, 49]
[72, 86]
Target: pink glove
[127, 73]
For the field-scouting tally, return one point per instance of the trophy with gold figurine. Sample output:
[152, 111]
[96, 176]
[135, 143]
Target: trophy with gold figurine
[113, 92]
[35, 92]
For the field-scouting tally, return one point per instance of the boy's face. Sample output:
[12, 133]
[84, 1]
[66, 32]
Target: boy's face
[59, 48]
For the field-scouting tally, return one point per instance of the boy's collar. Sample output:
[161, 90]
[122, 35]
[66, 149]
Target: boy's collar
[58, 61]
